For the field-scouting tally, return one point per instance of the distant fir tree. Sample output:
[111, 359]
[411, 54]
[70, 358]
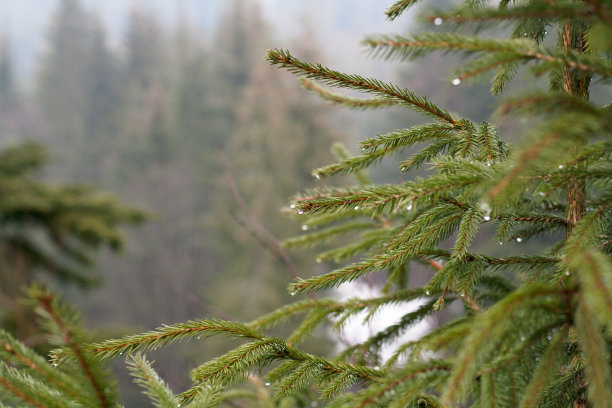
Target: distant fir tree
[49, 232]
[536, 329]
[79, 93]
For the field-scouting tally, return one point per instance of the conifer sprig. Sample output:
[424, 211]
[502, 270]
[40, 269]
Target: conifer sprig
[401, 47]
[154, 387]
[164, 335]
[334, 78]
[353, 103]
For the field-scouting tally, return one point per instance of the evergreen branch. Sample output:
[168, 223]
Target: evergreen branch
[441, 338]
[487, 326]
[428, 154]
[311, 322]
[51, 306]
[562, 392]
[540, 102]
[299, 378]
[405, 137]
[352, 164]
[154, 387]
[402, 47]
[398, 8]
[470, 222]
[391, 197]
[491, 148]
[385, 260]
[585, 232]
[284, 313]
[485, 64]
[545, 370]
[16, 352]
[319, 237]
[376, 87]
[525, 346]
[29, 390]
[533, 10]
[525, 158]
[228, 367]
[333, 307]
[392, 332]
[594, 273]
[165, 335]
[596, 355]
[369, 240]
[338, 384]
[419, 374]
[353, 103]
[503, 75]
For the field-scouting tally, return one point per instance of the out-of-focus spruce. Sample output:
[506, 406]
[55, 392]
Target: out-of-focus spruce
[536, 329]
[50, 230]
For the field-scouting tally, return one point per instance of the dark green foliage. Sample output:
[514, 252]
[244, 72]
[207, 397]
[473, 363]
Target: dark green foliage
[534, 329]
[50, 230]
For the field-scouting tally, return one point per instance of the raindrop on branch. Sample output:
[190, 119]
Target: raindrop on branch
[438, 21]
[456, 81]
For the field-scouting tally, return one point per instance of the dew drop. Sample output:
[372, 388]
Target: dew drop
[304, 227]
[463, 295]
[560, 166]
[410, 206]
[300, 212]
[376, 367]
[519, 239]
[501, 243]
[356, 207]
[267, 384]
[317, 176]
[54, 364]
[438, 21]
[488, 164]
[545, 32]
[427, 292]
[456, 81]
[319, 260]
[121, 353]
[292, 293]
[542, 194]
[567, 273]
[292, 206]
[487, 217]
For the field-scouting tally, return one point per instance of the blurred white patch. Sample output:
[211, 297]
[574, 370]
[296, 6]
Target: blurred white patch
[357, 330]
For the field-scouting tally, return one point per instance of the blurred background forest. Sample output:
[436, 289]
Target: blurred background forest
[170, 106]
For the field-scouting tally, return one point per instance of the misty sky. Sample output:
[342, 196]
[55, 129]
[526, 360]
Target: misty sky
[339, 24]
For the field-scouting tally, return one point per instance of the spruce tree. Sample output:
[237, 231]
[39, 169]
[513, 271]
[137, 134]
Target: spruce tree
[49, 232]
[536, 329]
